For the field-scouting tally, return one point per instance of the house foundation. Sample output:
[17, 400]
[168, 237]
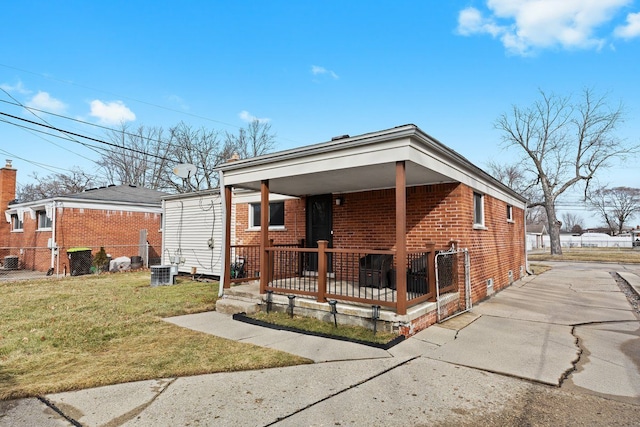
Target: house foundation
[246, 298]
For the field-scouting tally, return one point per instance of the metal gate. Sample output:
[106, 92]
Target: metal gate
[452, 275]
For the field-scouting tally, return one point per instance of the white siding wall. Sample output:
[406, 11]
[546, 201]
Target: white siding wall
[189, 223]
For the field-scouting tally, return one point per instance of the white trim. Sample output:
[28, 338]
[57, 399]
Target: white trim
[428, 162]
[479, 225]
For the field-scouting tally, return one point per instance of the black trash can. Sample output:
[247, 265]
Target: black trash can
[80, 260]
[374, 270]
[136, 262]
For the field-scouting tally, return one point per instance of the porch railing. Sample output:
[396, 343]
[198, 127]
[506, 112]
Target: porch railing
[245, 260]
[355, 275]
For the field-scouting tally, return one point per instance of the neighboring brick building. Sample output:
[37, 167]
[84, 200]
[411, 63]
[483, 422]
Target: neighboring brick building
[358, 193]
[120, 218]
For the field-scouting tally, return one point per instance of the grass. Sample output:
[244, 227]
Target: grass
[619, 255]
[538, 269]
[353, 333]
[94, 330]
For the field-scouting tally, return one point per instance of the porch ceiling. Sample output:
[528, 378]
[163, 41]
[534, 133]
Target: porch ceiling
[359, 178]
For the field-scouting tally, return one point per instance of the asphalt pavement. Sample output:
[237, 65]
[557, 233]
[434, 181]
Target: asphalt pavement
[561, 348]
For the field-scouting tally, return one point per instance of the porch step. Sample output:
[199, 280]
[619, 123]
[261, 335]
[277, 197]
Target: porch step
[244, 292]
[235, 306]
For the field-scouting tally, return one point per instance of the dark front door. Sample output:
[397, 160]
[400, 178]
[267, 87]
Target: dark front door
[319, 225]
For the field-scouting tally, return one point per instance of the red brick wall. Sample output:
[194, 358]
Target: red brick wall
[437, 213]
[294, 225]
[117, 231]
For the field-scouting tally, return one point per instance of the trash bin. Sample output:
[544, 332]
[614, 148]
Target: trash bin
[11, 262]
[79, 261]
[374, 270]
[136, 262]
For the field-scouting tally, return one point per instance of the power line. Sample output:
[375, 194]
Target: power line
[135, 150]
[41, 165]
[133, 99]
[121, 96]
[17, 103]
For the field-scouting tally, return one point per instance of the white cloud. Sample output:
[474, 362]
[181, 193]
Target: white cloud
[18, 87]
[44, 101]
[631, 29]
[524, 26]
[247, 117]
[175, 99]
[111, 113]
[318, 70]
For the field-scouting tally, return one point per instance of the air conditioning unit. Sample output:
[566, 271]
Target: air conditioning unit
[163, 274]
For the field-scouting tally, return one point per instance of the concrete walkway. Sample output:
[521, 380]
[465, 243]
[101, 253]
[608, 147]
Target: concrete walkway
[566, 338]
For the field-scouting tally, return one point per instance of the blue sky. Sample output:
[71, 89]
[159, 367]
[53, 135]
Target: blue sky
[314, 69]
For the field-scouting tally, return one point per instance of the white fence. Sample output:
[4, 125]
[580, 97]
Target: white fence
[584, 241]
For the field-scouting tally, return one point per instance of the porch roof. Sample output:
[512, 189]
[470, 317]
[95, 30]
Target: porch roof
[363, 162]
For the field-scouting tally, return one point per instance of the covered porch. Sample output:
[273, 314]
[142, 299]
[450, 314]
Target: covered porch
[353, 268]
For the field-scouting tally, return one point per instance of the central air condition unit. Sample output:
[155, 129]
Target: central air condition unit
[163, 275]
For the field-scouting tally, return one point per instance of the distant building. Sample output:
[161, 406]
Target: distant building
[124, 219]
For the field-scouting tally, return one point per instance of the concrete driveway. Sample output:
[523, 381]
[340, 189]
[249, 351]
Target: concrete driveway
[562, 348]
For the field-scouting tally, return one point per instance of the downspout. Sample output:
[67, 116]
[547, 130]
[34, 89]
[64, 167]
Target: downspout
[524, 230]
[54, 246]
[225, 262]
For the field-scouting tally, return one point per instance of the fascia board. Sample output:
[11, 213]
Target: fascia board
[462, 172]
[127, 207]
[346, 158]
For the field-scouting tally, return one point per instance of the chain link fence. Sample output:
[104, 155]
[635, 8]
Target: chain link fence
[37, 262]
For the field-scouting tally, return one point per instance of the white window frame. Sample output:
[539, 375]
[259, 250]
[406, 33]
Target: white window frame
[478, 223]
[252, 218]
[510, 213]
[43, 213]
[15, 220]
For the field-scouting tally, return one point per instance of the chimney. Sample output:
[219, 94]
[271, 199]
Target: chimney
[7, 185]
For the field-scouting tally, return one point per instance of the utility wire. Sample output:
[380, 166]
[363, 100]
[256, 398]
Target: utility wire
[134, 99]
[83, 136]
[120, 131]
[40, 118]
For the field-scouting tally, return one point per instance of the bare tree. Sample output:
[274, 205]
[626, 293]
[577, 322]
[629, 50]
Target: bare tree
[563, 144]
[147, 156]
[615, 205]
[199, 147]
[55, 185]
[571, 221]
[254, 140]
[515, 177]
[139, 157]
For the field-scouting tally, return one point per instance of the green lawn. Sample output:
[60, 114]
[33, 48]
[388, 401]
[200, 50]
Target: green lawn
[88, 331]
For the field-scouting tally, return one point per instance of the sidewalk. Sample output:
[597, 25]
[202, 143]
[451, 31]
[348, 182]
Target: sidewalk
[567, 337]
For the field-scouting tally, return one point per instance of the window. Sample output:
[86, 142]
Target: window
[16, 223]
[510, 213]
[478, 209]
[276, 215]
[44, 222]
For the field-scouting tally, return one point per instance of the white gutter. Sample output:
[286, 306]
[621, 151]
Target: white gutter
[225, 262]
[526, 254]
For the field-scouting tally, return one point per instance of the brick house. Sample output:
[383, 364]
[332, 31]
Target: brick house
[366, 210]
[120, 218]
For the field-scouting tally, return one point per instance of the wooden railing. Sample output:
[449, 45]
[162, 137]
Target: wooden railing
[355, 275]
[245, 260]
